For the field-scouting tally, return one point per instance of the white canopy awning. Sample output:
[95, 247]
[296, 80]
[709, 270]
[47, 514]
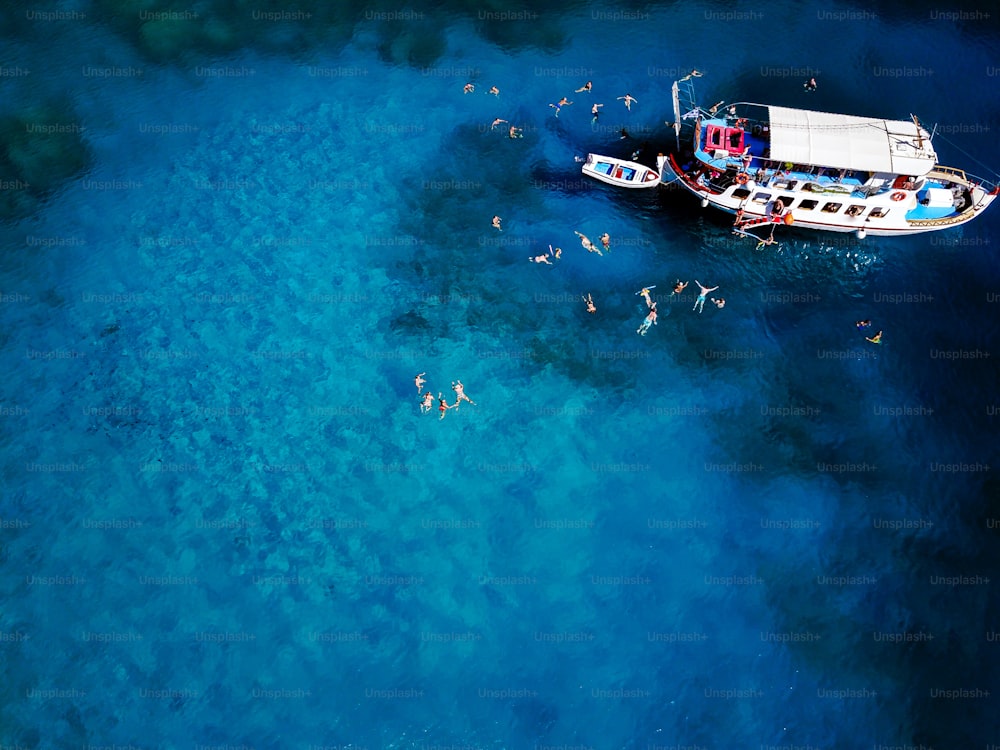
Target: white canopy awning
[846, 142]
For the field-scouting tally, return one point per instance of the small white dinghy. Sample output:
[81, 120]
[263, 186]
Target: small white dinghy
[627, 174]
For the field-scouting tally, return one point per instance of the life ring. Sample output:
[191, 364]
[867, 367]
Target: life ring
[898, 195]
[742, 178]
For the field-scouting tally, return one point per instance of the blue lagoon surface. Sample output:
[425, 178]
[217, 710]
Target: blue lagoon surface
[232, 236]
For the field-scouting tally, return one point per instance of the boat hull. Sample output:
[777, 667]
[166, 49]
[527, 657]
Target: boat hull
[883, 216]
[620, 172]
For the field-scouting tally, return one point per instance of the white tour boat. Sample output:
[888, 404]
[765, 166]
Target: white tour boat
[627, 174]
[819, 170]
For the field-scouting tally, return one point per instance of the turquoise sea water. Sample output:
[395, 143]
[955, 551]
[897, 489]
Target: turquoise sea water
[225, 521]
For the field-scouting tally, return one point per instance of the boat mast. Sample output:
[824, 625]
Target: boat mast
[920, 138]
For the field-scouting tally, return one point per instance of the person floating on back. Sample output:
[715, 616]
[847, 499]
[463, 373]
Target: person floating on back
[699, 304]
[427, 403]
[591, 308]
[629, 100]
[460, 394]
[876, 339]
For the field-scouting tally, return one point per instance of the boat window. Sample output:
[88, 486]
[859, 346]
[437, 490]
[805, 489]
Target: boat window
[808, 205]
[740, 193]
[604, 167]
[832, 208]
[762, 198]
[878, 213]
[855, 210]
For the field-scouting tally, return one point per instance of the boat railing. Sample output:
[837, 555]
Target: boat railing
[988, 186]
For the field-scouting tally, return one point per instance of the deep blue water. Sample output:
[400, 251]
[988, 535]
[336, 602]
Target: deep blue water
[229, 244]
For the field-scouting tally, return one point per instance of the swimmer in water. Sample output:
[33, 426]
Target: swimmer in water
[587, 244]
[419, 381]
[699, 304]
[629, 100]
[876, 339]
[591, 308]
[460, 394]
[649, 320]
[427, 403]
[443, 406]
